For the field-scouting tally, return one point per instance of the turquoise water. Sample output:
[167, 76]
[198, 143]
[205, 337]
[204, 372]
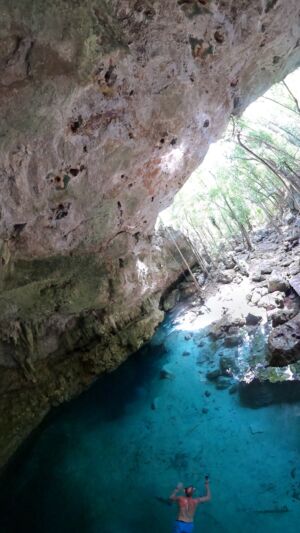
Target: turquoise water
[107, 461]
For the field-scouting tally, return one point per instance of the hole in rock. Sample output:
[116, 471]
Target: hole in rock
[61, 211]
[74, 171]
[219, 37]
[75, 125]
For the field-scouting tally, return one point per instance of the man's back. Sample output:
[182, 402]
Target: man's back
[187, 508]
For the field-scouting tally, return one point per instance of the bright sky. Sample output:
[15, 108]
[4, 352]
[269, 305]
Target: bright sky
[261, 110]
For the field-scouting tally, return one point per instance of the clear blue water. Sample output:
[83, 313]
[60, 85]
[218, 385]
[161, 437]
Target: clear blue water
[107, 461]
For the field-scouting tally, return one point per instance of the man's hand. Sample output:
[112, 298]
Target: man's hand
[178, 488]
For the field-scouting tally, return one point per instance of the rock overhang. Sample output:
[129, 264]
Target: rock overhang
[102, 142]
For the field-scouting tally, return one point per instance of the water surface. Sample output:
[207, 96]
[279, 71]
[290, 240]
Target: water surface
[107, 461]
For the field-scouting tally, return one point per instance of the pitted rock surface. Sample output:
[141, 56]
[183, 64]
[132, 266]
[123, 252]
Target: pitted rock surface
[107, 107]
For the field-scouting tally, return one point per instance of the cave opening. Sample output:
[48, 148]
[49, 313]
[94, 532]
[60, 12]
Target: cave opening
[248, 179]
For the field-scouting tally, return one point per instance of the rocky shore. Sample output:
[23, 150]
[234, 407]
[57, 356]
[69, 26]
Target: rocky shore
[251, 292]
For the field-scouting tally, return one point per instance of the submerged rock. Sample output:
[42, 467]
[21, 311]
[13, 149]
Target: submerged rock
[233, 340]
[223, 383]
[228, 365]
[155, 403]
[166, 373]
[212, 375]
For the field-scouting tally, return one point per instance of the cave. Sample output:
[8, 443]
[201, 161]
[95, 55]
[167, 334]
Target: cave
[107, 107]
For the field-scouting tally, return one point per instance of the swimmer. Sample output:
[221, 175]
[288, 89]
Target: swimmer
[187, 506]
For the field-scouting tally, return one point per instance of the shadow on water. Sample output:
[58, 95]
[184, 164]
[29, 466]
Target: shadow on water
[31, 487]
[263, 393]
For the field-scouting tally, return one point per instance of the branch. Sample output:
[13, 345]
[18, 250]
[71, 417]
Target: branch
[292, 95]
[279, 103]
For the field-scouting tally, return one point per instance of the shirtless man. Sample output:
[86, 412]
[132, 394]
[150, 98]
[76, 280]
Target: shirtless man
[187, 506]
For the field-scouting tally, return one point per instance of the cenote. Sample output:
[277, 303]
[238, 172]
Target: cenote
[149, 264]
[108, 460]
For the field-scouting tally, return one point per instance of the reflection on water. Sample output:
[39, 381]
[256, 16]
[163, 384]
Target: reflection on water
[108, 460]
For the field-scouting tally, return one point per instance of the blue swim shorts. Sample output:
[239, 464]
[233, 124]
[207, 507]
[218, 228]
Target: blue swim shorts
[183, 527]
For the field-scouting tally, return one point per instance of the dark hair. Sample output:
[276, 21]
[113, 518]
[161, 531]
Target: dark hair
[189, 491]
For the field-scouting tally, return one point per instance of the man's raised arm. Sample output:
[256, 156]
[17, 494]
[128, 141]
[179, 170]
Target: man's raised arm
[174, 496]
[207, 496]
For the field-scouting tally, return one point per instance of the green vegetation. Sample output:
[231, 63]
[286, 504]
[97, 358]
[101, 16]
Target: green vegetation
[250, 177]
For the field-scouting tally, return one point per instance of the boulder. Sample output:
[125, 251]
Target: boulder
[271, 301]
[289, 218]
[239, 248]
[200, 278]
[229, 261]
[257, 294]
[243, 268]
[221, 327]
[286, 261]
[253, 320]
[257, 276]
[225, 277]
[266, 268]
[187, 288]
[233, 330]
[284, 343]
[238, 279]
[277, 282]
[293, 236]
[280, 316]
[294, 268]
